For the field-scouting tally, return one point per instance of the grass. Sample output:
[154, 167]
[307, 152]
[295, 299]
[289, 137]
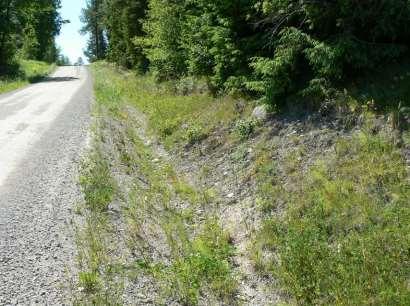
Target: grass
[204, 264]
[97, 184]
[201, 266]
[174, 118]
[344, 237]
[95, 281]
[174, 242]
[27, 72]
[198, 260]
[335, 233]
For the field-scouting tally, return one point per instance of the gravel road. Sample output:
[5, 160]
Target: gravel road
[43, 131]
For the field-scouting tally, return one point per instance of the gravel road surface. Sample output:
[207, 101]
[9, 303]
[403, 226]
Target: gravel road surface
[43, 131]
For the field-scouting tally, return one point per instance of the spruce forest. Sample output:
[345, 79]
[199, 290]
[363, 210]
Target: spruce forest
[269, 49]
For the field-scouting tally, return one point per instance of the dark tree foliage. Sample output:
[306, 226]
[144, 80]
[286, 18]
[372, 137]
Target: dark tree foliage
[326, 41]
[29, 28]
[41, 24]
[162, 43]
[123, 23]
[218, 37]
[268, 47]
[8, 26]
[92, 17]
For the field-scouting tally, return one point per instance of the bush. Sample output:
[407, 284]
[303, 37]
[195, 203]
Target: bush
[273, 78]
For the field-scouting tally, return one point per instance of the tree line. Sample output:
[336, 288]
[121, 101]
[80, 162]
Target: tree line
[269, 48]
[28, 30]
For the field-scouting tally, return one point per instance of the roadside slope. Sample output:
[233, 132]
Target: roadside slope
[191, 200]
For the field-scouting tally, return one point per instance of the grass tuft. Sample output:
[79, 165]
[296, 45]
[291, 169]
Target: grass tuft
[204, 264]
[97, 184]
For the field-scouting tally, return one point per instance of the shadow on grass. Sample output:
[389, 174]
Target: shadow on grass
[11, 71]
[387, 86]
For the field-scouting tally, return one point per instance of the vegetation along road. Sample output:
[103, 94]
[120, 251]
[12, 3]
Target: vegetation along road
[212, 153]
[43, 128]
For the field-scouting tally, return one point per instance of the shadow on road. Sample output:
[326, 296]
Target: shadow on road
[52, 79]
[59, 79]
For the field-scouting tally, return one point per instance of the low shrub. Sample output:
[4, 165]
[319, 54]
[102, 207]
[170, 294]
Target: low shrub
[245, 128]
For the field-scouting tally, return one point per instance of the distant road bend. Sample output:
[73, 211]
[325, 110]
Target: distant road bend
[43, 130]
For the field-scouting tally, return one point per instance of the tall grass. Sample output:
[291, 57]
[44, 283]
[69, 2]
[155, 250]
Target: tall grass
[172, 116]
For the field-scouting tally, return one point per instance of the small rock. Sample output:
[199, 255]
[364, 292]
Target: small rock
[260, 113]
[377, 126]
[240, 106]
[249, 292]
[231, 195]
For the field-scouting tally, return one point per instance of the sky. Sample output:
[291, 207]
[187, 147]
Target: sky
[70, 40]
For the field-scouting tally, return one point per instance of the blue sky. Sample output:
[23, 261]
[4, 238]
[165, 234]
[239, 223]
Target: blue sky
[70, 40]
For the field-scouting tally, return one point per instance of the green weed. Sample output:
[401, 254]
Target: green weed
[203, 264]
[270, 192]
[197, 264]
[344, 238]
[195, 134]
[93, 242]
[97, 184]
[89, 280]
[245, 128]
